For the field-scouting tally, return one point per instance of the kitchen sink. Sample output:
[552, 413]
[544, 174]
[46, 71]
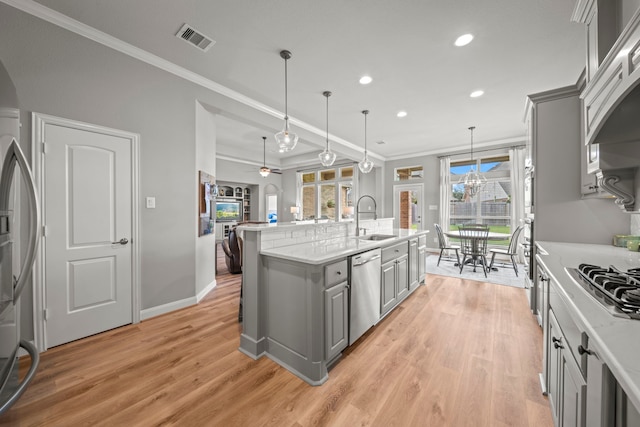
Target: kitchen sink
[377, 237]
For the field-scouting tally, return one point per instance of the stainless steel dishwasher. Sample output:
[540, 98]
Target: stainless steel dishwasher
[364, 276]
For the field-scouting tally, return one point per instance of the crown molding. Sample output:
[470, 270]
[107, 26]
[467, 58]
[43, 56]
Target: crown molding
[460, 149]
[63, 21]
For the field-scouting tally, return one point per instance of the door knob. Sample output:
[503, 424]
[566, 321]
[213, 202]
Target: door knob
[122, 241]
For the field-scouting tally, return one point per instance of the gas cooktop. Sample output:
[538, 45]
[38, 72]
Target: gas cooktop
[618, 291]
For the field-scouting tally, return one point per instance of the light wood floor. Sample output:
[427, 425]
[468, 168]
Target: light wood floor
[455, 353]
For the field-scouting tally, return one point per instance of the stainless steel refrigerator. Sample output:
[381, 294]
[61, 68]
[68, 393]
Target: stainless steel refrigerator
[19, 238]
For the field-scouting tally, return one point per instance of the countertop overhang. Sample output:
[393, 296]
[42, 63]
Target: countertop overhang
[325, 251]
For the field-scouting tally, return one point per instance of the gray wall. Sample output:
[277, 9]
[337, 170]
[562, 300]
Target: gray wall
[560, 212]
[59, 73]
[205, 246]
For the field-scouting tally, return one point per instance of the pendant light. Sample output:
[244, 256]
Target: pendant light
[286, 139]
[473, 181]
[365, 164]
[327, 157]
[264, 170]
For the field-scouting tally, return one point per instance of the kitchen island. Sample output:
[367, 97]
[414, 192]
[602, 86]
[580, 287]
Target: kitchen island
[296, 288]
[590, 361]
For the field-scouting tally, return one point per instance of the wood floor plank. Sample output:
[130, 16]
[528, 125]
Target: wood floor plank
[455, 353]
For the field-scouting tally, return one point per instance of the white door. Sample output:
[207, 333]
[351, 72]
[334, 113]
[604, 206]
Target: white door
[408, 206]
[87, 211]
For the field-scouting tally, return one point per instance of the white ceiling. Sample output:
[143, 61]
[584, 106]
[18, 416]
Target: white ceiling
[520, 47]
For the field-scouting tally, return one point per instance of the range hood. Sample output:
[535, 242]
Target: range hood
[623, 124]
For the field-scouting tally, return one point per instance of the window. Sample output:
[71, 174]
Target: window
[327, 194]
[491, 205]
[405, 174]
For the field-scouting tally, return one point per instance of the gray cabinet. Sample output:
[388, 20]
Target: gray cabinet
[553, 362]
[394, 284]
[402, 277]
[567, 387]
[336, 309]
[601, 391]
[336, 319]
[422, 258]
[388, 294]
[414, 274]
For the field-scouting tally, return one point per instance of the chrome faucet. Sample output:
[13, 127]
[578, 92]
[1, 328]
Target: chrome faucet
[375, 215]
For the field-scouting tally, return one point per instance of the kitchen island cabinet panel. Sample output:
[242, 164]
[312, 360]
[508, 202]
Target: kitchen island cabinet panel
[294, 315]
[287, 305]
[336, 317]
[414, 271]
[402, 278]
[389, 294]
[394, 276]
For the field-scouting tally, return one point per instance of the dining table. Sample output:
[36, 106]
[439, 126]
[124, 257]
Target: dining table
[493, 235]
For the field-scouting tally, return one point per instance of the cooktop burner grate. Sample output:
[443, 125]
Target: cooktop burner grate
[618, 291]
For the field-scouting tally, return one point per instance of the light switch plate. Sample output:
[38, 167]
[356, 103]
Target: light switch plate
[151, 202]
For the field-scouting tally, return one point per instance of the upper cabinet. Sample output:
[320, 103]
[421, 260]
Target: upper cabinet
[611, 98]
[600, 20]
[613, 59]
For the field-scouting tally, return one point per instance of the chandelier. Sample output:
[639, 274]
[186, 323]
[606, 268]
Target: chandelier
[365, 164]
[327, 157]
[286, 139]
[473, 181]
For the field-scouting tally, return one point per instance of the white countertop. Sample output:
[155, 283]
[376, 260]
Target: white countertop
[618, 338]
[323, 251]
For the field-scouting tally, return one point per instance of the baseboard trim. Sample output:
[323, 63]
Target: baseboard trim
[203, 293]
[148, 313]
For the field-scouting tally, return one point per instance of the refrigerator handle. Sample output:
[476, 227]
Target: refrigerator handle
[15, 155]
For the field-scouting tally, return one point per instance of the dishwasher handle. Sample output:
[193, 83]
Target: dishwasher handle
[366, 260]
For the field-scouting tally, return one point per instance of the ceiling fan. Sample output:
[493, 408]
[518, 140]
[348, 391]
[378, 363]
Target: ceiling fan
[264, 170]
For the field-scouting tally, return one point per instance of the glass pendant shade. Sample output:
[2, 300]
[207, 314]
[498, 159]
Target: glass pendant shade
[473, 181]
[264, 170]
[327, 157]
[286, 139]
[365, 164]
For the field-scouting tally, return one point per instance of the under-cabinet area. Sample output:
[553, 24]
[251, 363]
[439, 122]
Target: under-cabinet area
[304, 303]
[590, 360]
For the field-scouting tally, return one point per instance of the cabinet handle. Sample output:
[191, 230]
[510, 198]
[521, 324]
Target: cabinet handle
[338, 272]
[583, 350]
[554, 339]
[557, 345]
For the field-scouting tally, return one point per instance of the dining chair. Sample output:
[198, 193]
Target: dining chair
[511, 250]
[445, 245]
[473, 244]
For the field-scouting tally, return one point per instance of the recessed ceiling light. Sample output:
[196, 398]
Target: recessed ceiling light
[464, 40]
[365, 80]
[476, 93]
[402, 114]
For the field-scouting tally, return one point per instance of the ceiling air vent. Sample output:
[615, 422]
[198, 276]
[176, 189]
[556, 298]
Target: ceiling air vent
[196, 38]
